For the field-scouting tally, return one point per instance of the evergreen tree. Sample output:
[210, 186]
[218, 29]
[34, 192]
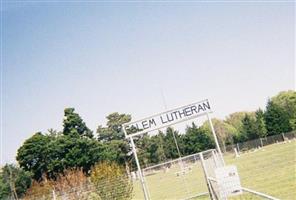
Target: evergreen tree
[197, 140]
[74, 125]
[260, 127]
[276, 119]
[14, 182]
[287, 101]
[249, 127]
[171, 150]
[113, 129]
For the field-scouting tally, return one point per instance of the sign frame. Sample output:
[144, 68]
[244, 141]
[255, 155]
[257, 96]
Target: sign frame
[130, 136]
[176, 121]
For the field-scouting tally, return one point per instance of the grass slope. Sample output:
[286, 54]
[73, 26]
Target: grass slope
[271, 170]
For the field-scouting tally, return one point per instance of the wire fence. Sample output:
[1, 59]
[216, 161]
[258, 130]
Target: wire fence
[119, 188]
[265, 166]
[252, 145]
[266, 169]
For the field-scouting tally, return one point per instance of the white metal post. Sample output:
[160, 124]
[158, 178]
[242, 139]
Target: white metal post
[215, 138]
[53, 195]
[206, 176]
[145, 191]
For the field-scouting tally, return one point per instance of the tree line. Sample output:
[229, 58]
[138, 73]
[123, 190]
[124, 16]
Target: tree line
[47, 155]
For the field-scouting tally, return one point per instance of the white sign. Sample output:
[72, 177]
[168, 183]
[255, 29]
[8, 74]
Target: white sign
[228, 181]
[167, 118]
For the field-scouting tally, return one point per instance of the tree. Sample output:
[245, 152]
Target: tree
[111, 181]
[4, 188]
[74, 125]
[249, 128]
[156, 148]
[142, 143]
[113, 129]
[260, 127]
[113, 137]
[276, 119]
[171, 149]
[196, 140]
[67, 152]
[235, 120]
[32, 155]
[287, 101]
[225, 132]
[14, 181]
[47, 156]
[116, 151]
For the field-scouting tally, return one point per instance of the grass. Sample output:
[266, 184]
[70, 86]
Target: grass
[270, 170]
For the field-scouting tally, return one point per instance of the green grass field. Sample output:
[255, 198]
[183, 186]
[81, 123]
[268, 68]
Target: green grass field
[271, 170]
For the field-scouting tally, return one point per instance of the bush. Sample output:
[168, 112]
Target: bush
[111, 181]
[40, 190]
[71, 185]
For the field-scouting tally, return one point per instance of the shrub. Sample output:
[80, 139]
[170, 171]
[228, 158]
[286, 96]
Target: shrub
[111, 181]
[71, 185]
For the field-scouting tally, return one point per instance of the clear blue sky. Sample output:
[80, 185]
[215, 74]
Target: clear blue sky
[106, 57]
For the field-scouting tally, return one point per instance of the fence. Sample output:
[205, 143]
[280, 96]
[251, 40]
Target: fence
[176, 179]
[259, 143]
[266, 169]
[119, 188]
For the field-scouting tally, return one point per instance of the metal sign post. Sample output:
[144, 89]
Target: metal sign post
[166, 119]
[145, 191]
[206, 177]
[144, 187]
[215, 138]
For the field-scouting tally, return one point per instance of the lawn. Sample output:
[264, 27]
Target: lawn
[270, 170]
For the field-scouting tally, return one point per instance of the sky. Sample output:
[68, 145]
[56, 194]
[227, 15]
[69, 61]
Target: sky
[139, 58]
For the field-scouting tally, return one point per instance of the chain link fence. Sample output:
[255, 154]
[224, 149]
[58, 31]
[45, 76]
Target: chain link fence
[252, 145]
[266, 168]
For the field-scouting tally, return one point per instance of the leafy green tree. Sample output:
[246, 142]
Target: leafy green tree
[287, 101]
[260, 127]
[156, 148]
[32, 155]
[142, 144]
[74, 125]
[276, 119]
[14, 181]
[118, 149]
[67, 152]
[4, 188]
[225, 132]
[113, 129]
[249, 127]
[196, 140]
[235, 120]
[46, 156]
[171, 149]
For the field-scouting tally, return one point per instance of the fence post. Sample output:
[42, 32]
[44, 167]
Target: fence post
[283, 134]
[236, 153]
[53, 195]
[206, 176]
[237, 147]
[144, 187]
[261, 142]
